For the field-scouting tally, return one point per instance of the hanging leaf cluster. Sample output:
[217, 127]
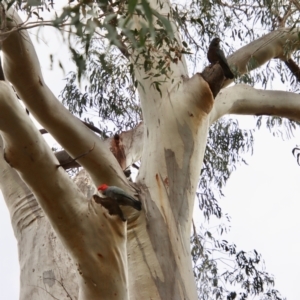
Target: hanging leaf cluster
[225, 145]
[224, 273]
[109, 94]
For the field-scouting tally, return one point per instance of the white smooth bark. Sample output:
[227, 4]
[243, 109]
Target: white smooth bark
[243, 99]
[174, 145]
[279, 43]
[46, 269]
[175, 128]
[95, 241]
[22, 69]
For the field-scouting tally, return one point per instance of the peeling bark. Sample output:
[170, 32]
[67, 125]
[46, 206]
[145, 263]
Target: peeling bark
[127, 150]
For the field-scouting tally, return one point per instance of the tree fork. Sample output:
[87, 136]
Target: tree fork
[100, 259]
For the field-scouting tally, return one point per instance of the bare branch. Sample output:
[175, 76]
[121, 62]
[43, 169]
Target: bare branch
[277, 44]
[79, 156]
[244, 100]
[65, 160]
[25, 149]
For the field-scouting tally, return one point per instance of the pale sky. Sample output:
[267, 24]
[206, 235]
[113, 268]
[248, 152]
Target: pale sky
[262, 199]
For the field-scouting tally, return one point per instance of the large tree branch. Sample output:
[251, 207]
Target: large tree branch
[24, 210]
[21, 67]
[276, 44]
[96, 241]
[32, 230]
[245, 100]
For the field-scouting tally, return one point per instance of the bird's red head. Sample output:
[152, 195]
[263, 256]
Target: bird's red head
[102, 187]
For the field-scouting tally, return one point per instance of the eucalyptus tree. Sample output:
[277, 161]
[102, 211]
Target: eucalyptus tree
[134, 59]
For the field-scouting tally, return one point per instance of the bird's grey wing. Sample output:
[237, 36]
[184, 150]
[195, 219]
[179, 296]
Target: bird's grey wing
[222, 56]
[224, 64]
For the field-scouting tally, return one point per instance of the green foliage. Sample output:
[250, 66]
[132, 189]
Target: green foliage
[198, 22]
[237, 23]
[225, 144]
[109, 90]
[219, 269]
[279, 127]
[112, 22]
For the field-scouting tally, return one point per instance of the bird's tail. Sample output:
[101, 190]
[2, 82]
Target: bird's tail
[226, 70]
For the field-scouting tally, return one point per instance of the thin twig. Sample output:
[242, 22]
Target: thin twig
[81, 155]
[36, 286]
